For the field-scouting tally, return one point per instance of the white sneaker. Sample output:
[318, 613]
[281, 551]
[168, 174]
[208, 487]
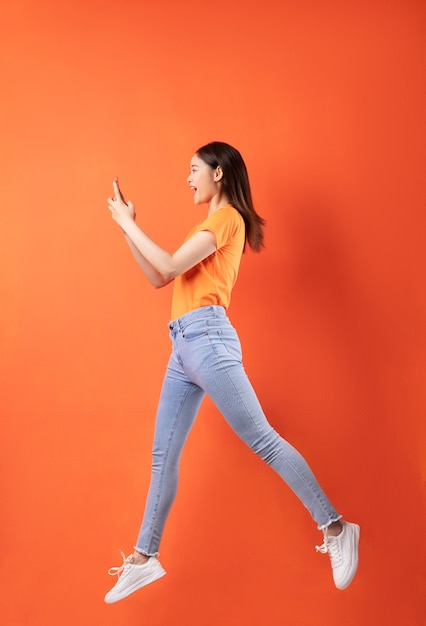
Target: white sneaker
[343, 553]
[132, 577]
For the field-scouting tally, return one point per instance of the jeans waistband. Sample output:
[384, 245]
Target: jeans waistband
[204, 312]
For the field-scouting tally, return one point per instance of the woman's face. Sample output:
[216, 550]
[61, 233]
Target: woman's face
[203, 180]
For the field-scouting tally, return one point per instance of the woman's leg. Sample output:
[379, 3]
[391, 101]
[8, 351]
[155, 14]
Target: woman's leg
[245, 416]
[179, 404]
[221, 374]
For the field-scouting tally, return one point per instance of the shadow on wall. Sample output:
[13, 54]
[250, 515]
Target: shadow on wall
[331, 294]
[332, 344]
[325, 309]
[342, 360]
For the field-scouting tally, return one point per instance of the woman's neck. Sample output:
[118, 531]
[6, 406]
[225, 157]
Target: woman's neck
[217, 203]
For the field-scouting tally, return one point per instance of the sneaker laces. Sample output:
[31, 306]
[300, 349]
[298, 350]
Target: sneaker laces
[330, 547]
[323, 548]
[116, 571]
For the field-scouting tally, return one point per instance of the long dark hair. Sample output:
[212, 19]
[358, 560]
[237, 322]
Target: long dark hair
[236, 186]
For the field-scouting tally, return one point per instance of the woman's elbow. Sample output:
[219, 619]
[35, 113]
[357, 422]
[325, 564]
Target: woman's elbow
[161, 282]
[165, 276]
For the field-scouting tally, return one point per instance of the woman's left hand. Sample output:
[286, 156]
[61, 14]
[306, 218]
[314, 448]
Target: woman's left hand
[121, 210]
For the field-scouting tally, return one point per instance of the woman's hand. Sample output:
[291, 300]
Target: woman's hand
[121, 210]
[158, 265]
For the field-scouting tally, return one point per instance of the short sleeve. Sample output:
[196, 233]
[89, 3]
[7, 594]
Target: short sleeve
[224, 224]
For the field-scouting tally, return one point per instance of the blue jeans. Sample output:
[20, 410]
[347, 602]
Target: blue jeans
[206, 359]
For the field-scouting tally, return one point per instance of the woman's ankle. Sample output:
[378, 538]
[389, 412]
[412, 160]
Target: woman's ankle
[335, 529]
[139, 558]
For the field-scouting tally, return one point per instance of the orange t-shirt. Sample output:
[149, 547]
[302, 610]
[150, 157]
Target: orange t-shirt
[211, 281]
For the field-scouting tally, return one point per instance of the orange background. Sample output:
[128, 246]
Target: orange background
[326, 102]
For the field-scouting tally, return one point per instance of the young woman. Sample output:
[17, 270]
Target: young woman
[206, 359]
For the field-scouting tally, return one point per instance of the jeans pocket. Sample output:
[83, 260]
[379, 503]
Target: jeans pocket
[194, 330]
[225, 342]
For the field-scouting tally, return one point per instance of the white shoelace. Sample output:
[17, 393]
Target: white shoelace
[330, 547]
[323, 548]
[116, 571]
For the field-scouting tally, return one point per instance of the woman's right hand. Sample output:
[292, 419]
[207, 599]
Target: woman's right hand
[120, 209]
[119, 194]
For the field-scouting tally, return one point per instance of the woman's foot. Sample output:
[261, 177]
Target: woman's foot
[341, 544]
[133, 576]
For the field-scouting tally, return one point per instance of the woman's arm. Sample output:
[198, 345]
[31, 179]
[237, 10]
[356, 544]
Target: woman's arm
[159, 266]
[150, 272]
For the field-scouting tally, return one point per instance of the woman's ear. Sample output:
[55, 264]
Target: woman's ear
[218, 174]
